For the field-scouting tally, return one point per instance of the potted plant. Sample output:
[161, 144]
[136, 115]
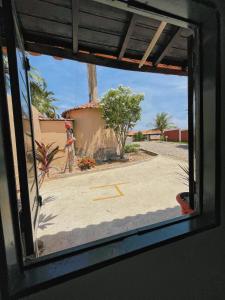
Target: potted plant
[183, 198]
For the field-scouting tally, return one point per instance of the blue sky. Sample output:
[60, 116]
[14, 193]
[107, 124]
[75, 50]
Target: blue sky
[162, 93]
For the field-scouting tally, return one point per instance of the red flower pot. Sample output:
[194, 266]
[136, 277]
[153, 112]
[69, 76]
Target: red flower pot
[185, 207]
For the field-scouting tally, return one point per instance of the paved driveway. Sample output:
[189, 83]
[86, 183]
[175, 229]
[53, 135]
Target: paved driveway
[91, 206]
[175, 150]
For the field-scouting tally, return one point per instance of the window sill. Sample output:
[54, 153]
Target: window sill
[57, 268]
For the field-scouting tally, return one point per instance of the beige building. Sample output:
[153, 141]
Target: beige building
[92, 137]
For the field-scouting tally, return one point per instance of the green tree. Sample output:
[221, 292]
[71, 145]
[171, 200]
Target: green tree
[121, 110]
[41, 97]
[163, 121]
[139, 136]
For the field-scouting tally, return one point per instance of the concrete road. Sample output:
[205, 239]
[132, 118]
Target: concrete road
[175, 150]
[80, 209]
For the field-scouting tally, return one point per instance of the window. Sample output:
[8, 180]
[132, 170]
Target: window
[203, 87]
[110, 175]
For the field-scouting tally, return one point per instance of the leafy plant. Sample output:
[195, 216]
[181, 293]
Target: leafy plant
[45, 155]
[121, 110]
[41, 97]
[185, 174]
[163, 121]
[139, 136]
[131, 148]
[85, 163]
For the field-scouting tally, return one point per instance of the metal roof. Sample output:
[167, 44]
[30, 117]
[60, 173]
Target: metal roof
[93, 32]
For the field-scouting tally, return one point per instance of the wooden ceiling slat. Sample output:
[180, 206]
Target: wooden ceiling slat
[153, 43]
[75, 24]
[128, 36]
[167, 47]
[45, 10]
[50, 12]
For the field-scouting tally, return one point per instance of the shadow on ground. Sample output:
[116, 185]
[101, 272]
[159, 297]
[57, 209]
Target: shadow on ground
[182, 146]
[48, 200]
[80, 236]
[44, 220]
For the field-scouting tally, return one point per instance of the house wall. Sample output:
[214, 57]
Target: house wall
[36, 124]
[92, 138]
[154, 137]
[53, 131]
[45, 131]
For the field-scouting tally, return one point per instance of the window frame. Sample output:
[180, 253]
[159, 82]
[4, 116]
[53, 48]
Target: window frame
[20, 280]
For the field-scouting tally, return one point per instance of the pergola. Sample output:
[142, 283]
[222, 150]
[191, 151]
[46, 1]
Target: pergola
[94, 32]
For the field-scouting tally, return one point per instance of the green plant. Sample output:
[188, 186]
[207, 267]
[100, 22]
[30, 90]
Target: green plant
[45, 155]
[163, 121]
[185, 174]
[41, 97]
[121, 110]
[131, 148]
[85, 163]
[139, 136]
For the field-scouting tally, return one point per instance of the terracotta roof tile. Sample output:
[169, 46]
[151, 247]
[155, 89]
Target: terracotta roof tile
[92, 104]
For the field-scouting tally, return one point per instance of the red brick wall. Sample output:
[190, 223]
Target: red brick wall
[184, 135]
[173, 135]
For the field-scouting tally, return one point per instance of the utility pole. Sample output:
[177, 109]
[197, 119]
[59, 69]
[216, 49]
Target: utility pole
[92, 83]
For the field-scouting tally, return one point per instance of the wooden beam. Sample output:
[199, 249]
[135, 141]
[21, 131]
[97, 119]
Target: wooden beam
[165, 50]
[99, 60]
[152, 43]
[75, 24]
[127, 37]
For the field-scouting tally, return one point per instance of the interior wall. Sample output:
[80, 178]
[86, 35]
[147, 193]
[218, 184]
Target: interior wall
[192, 268]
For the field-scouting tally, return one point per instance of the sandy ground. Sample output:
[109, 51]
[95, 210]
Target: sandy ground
[80, 209]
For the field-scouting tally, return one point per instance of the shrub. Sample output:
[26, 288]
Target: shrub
[85, 163]
[132, 148]
[139, 136]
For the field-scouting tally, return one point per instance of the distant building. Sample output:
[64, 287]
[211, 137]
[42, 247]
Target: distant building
[150, 134]
[171, 134]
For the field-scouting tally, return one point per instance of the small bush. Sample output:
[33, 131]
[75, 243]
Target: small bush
[85, 163]
[139, 136]
[131, 148]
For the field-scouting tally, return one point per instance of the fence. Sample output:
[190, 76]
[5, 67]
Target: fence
[176, 135]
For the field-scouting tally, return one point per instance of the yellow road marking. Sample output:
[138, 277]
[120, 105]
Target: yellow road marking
[115, 185]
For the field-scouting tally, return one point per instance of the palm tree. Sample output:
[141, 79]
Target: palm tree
[41, 98]
[163, 121]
